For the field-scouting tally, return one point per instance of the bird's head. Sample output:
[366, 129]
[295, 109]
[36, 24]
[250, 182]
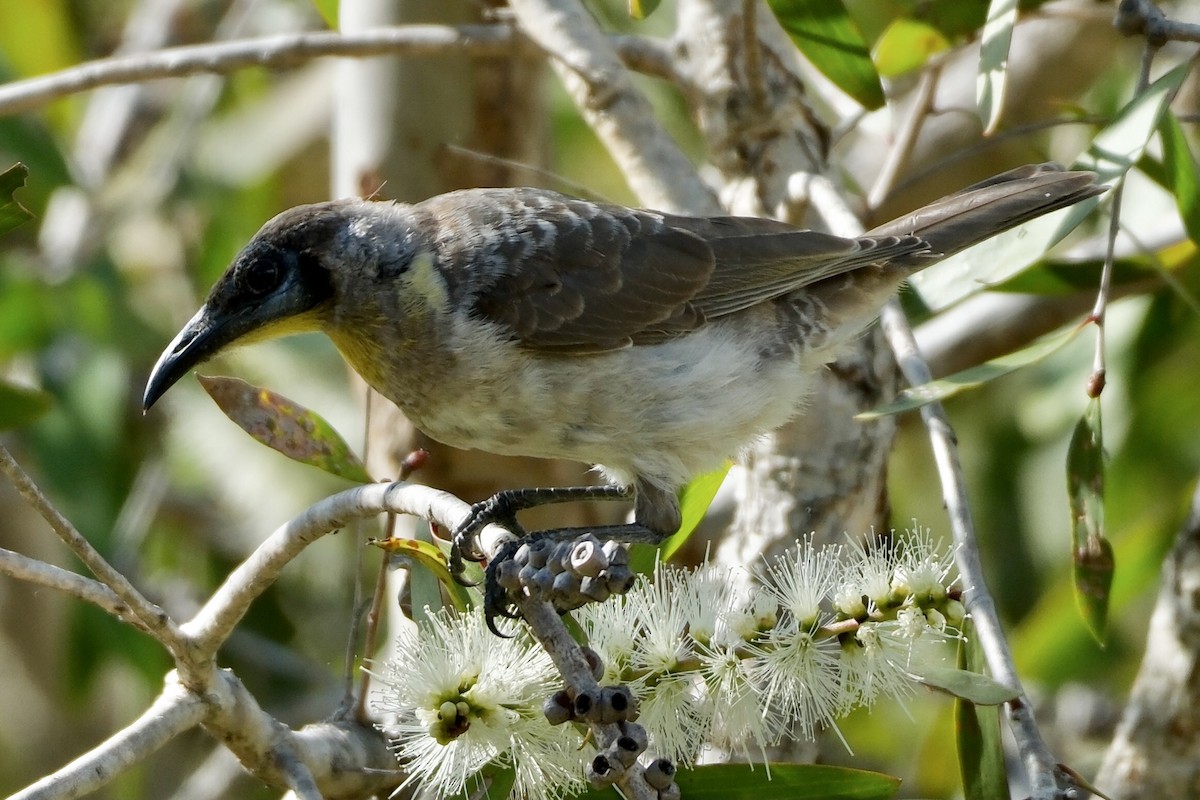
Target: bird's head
[278, 284]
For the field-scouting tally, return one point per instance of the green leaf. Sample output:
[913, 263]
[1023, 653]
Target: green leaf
[1121, 144]
[906, 45]
[329, 12]
[20, 406]
[1092, 553]
[784, 782]
[430, 556]
[993, 62]
[917, 396]
[830, 39]
[1179, 173]
[1113, 151]
[12, 213]
[640, 9]
[286, 427]
[694, 501]
[977, 734]
[973, 687]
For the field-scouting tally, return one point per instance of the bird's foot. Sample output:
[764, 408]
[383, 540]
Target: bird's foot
[566, 567]
[501, 509]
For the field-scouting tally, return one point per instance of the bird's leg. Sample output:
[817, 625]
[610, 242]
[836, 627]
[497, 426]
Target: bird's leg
[502, 507]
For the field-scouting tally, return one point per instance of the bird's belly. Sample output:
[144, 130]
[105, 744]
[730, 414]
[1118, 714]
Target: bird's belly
[666, 411]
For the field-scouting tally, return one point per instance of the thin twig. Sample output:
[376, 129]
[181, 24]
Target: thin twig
[155, 620]
[1143, 18]
[906, 139]
[37, 572]
[286, 50]
[1095, 383]
[1045, 777]
[174, 711]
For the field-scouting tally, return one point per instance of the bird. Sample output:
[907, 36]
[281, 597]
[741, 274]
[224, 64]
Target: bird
[525, 322]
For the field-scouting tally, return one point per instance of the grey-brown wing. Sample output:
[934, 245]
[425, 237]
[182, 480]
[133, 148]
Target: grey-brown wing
[760, 259]
[567, 274]
[573, 275]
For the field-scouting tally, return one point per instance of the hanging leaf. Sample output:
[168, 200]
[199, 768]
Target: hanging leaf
[1180, 174]
[286, 427]
[829, 38]
[329, 12]
[973, 687]
[993, 62]
[1092, 553]
[917, 396]
[977, 733]
[20, 406]
[12, 213]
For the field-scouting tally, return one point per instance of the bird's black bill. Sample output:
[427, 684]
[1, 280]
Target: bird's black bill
[199, 339]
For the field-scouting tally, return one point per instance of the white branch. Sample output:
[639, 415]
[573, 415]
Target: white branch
[174, 711]
[603, 90]
[1045, 777]
[22, 567]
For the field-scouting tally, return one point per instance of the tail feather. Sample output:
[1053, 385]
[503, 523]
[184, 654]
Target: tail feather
[993, 206]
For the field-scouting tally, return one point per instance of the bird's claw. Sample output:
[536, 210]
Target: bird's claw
[497, 509]
[566, 568]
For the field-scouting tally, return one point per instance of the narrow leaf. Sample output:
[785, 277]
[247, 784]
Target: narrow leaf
[1113, 151]
[1180, 174]
[829, 38]
[917, 396]
[1092, 553]
[12, 213]
[1121, 144]
[965, 685]
[977, 734]
[993, 62]
[430, 556]
[20, 406]
[286, 427]
[780, 782]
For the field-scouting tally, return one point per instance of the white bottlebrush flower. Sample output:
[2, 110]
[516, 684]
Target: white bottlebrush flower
[866, 581]
[803, 581]
[797, 672]
[464, 699]
[922, 571]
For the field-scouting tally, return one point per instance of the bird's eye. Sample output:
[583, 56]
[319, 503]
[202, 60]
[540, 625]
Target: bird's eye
[261, 277]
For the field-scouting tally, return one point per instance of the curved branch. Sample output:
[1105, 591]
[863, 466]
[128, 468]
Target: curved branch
[213, 623]
[174, 711]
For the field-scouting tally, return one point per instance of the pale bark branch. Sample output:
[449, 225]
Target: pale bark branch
[32, 570]
[655, 167]
[174, 711]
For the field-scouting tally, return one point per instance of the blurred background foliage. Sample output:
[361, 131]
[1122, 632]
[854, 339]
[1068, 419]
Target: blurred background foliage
[142, 194]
